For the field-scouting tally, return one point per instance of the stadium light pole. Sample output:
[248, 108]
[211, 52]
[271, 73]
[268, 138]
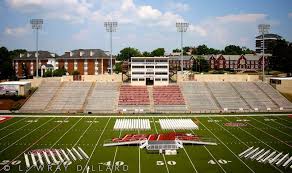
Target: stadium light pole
[263, 29]
[37, 24]
[182, 27]
[111, 27]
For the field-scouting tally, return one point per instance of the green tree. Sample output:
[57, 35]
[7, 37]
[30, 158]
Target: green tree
[233, 50]
[158, 52]
[176, 50]
[118, 67]
[126, 53]
[146, 54]
[201, 64]
[59, 72]
[202, 50]
[75, 72]
[281, 59]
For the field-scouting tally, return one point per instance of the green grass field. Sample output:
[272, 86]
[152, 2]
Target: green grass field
[22, 134]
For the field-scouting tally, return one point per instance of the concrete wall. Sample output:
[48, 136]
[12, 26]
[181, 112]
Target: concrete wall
[96, 78]
[285, 86]
[219, 77]
[35, 82]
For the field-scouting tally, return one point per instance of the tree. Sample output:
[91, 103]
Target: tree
[202, 50]
[200, 64]
[6, 59]
[146, 54]
[59, 72]
[126, 53]
[118, 67]
[281, 59]
[158, 52]
[233, 50]
[75, 72]
[176, 50]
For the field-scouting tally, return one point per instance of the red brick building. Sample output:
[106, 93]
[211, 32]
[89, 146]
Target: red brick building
[85, 61]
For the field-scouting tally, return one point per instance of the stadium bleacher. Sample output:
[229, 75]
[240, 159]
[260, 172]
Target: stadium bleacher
[70, 98]
[168, 99]
[63, 97]
[198, 97]
[103, 98]
[42, 97]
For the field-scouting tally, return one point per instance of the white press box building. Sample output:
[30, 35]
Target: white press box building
[149, 70]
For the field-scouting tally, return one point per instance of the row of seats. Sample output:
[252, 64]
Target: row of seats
[41, 98]
[133, 95]
[168, 95]
[71, 97]
[103, 97]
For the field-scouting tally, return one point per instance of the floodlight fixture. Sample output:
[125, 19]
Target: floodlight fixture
[36, 24]
[111, 27]
[182, 27]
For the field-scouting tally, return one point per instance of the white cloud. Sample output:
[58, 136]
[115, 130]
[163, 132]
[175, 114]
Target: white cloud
[290, 15]
[82, 35]
[74, 11]
[246, 18]
[199, 29]
[178, 7]
[147, 12]
[17, 31]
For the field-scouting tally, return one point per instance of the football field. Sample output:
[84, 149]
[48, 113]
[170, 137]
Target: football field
[21, 136]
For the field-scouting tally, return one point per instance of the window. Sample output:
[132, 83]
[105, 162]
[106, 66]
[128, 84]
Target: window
[138, 73]
[160, 73]
[137, 60]
[137, 66]
[157, 79]
[164, 79]
[161, 60]
[149, 60]
[160, 66]
[149, 72]
[141, 79]
[134, 79]
[150, 66]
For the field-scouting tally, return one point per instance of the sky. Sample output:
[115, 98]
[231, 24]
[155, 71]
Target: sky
[143, 24]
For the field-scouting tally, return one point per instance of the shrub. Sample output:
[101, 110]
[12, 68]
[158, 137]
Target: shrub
[75, 72]
[59, 72]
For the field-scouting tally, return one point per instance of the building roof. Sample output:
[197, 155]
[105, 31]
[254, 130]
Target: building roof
[155, 57]
[177, 57]
[281, 78]
[15, 83]
[269, 36]
[31, 55]
[85, 54]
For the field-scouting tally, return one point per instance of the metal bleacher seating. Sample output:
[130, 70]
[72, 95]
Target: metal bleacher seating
[198, 97]
[168, 99]
[41, 98]
[103, 98]
[70, 97]
[274, 95]
[226, 96]
[133, 99]
[254, 96]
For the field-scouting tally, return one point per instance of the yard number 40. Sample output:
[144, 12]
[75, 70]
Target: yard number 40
[171, 162]
[220, 161]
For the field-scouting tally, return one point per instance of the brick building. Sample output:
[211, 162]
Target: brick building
[85, 61]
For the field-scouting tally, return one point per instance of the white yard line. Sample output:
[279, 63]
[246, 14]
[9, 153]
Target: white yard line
[24, 136]
[13, 123]
[269, 135]
[228, 148]
[290, 122]
[195, 169]
[162, 154]
[258, 140]
[150, 116]
[272, 127]
[212, 155]
[36, 141]
[97, 142]
[83, 133]
[117, 147]
[282, 124]
[139, 153]
[15, 130]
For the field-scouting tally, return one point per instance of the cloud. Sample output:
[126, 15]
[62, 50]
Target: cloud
[74, 11]
[82, 35]
[17, 31]
[178, 7]
[290, 15]
[242, 18]
[199, 29]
